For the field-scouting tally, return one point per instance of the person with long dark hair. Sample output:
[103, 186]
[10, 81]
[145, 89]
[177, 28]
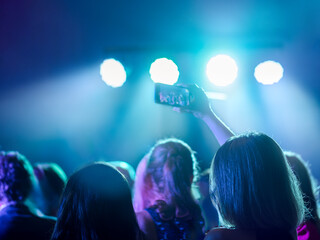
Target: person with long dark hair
[96, 204]
[163, 200]
[310, 228]
[254, 190]
[251, 184]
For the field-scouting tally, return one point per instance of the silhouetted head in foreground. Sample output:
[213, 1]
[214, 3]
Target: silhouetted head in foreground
[253, 186]
[96, 204]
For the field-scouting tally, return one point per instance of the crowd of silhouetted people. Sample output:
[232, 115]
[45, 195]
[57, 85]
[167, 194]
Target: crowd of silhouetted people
[253, 191]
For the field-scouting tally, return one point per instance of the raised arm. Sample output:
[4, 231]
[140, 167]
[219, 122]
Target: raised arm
[200, 108]
[219, 129]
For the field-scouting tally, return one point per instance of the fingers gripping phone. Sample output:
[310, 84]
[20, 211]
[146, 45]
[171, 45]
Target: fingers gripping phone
[176, 96]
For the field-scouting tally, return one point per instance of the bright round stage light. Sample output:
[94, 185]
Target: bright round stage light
[165, 71]
[268, 72]
[222, 70]
[113, 73]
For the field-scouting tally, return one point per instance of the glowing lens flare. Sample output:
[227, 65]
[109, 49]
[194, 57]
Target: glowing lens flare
[268, 72]
[113, 73]
[165, 71]
[222, 70]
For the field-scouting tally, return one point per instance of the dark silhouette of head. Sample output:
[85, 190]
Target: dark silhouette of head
[52, 180]
[253, 186]
[96, 204]
[307, 184]
[16, 177]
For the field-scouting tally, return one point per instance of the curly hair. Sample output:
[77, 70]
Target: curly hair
[15, 177]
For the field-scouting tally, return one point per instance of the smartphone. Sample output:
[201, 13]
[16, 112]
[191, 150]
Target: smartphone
[176, 96]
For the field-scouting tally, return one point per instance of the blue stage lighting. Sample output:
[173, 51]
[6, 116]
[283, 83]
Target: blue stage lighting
[222, 70]
[268, 72]
[165, 71]
[113, 73]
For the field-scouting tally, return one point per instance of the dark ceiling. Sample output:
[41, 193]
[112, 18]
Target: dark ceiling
[41, 38]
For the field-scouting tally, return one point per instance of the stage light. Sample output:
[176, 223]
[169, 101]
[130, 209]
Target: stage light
[113, 73]
[222, 70]
[268, 72]
[165, 71]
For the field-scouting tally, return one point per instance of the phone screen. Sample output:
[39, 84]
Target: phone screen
[172, 95]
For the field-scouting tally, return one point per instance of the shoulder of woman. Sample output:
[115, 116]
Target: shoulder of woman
[144, 218]
[146, 224]
[226, 234]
